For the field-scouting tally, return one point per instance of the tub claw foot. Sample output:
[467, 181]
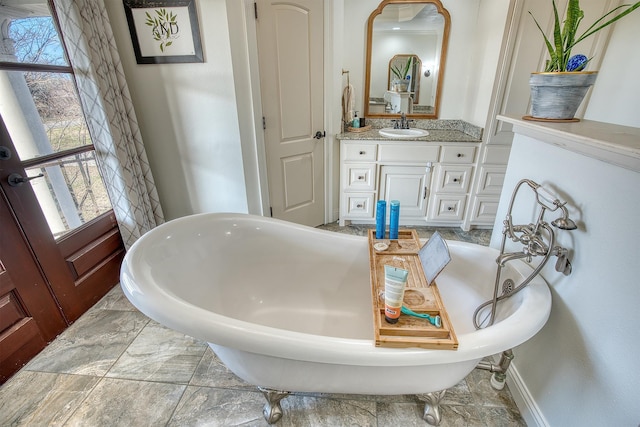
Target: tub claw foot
[272, 410]
[432, 413]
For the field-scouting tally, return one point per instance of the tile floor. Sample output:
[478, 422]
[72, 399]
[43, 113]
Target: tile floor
[116, 367]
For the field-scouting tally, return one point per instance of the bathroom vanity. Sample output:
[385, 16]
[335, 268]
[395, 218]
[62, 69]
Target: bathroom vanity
[431, 176]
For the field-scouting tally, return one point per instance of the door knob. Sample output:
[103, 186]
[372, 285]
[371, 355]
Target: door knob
[320, 135]
[15, 179]
[5, 153]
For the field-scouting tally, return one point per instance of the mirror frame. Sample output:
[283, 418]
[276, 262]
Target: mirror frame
[443, 58]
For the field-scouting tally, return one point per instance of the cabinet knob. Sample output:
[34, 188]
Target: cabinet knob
[361, 178]
[359, 206]
[450, 208]
[456, 179]
[460, 155]
[362, 153]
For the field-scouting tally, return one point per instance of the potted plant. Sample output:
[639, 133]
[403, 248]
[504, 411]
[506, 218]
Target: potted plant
[402, 79]
[557, 92]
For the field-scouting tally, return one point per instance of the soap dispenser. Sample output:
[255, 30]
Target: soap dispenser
[356, 120]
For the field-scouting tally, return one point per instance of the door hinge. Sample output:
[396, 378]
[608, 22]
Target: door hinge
[264, 123]
[255, 9]
[270, 211]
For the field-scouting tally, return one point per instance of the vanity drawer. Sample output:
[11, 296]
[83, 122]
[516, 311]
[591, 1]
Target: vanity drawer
[485, 209]
[453, 178]
[359, 205]
[457, 154]
[359, 177]
[408, 153]
[360, 152]
[447, 207]
[491, 179]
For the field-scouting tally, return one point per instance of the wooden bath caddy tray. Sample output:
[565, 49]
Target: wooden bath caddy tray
[410, 331]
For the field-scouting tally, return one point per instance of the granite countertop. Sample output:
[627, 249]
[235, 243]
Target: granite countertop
[439, 131]
[435, 135]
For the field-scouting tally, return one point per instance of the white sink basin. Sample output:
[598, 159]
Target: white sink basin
[403, 133]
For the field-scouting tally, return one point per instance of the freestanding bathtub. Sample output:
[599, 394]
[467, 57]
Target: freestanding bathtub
[288, 307]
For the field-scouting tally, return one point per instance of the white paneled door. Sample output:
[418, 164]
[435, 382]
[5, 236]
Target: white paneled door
[290, 51]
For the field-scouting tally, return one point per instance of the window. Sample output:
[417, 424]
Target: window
[41, 110]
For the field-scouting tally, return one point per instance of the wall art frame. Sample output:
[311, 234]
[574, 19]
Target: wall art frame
[164, 31]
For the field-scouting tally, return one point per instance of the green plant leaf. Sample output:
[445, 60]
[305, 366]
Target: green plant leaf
[552, 54]
[564, 32]
[591, 30]
[572, 20]
[557, 38]
[396, 71]
[407, 67]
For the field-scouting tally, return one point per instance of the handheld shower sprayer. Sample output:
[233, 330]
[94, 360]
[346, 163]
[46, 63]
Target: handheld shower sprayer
[538, 240]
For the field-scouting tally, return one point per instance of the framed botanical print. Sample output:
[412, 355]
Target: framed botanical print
[164, 31]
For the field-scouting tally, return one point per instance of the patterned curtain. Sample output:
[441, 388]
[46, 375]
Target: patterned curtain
[112, 122]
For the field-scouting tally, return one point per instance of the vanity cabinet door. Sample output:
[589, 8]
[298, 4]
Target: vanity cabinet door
[409, 185]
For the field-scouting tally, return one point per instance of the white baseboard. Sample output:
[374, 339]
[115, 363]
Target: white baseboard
[524, 400]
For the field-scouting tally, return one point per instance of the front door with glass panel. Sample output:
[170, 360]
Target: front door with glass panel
[51, 184]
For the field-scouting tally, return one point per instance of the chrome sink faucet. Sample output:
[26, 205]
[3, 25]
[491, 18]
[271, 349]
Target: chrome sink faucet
[403, 123]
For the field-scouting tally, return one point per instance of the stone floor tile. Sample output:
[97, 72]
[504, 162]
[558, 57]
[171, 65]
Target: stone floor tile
[460, 394]
[159, 354]
[400, 414]
[92, 344]
[461, 416]
[398, 398]
[501, 417]
[116, 402]
[114, 300]
[311, 411]
[484, 394]
[42, 399]
[206, 406]
[211, 372]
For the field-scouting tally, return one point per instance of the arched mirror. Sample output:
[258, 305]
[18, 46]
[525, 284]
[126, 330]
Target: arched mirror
[406, 52]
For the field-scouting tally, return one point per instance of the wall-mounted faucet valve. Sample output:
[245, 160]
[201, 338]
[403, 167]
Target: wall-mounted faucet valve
[538, 240]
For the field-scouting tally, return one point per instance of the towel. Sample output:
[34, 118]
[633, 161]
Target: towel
[348, 104]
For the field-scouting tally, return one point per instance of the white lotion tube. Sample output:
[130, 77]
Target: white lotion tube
[394, 283]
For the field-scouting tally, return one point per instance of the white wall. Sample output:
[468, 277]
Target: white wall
[616, 94]
[188, 118]
[582, 368]
[491, 20]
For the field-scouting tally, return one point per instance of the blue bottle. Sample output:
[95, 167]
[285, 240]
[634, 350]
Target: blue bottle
[394, 219]
[381, 219]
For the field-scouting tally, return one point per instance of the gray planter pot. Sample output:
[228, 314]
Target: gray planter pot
[558, 95]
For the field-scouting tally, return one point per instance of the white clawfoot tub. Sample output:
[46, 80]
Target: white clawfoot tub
[288, 307]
